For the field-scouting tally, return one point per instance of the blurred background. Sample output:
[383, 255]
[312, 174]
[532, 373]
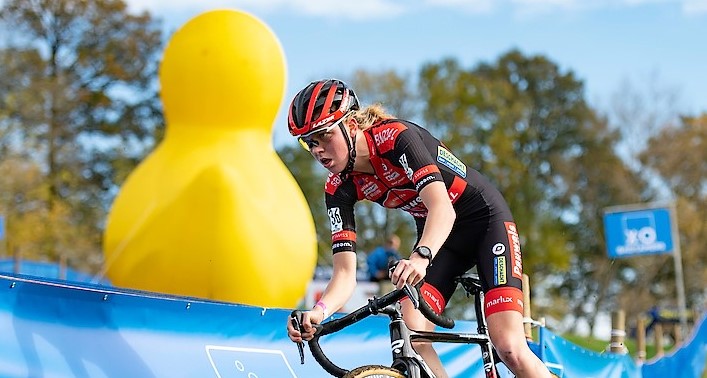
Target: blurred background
[569, 108]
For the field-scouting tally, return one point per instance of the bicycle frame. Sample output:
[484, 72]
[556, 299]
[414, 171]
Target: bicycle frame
[405, 359]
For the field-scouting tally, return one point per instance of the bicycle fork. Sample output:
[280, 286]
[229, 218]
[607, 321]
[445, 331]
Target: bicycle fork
[405, 358]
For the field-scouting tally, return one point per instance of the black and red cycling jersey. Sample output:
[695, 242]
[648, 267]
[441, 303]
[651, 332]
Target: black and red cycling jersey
[405, 158]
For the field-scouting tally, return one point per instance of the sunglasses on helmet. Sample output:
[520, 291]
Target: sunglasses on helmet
[306, 140]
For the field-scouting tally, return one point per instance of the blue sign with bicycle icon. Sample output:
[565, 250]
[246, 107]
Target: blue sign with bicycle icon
[638, 232]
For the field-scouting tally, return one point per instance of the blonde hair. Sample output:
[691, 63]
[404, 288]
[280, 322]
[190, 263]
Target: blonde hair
[368, 116]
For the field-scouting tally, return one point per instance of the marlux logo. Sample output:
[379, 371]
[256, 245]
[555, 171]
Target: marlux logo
[498, 301]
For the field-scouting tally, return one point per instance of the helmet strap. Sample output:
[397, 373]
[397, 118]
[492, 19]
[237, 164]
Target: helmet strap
[351, 143]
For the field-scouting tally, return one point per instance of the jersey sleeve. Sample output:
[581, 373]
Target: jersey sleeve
[340, 203]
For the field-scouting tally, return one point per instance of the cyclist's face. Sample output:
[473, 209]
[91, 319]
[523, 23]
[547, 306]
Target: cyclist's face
[330, 149]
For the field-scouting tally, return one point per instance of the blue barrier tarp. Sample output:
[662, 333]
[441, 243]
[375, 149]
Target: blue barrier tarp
[51, 328]
[55, 329]
[572, 361]
[687, 361]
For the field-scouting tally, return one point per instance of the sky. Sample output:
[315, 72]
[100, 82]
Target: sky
[654, 45]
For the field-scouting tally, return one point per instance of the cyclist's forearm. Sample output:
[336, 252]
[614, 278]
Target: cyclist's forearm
[342, 283]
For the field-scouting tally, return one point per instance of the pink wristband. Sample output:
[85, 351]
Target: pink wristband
[322, 306]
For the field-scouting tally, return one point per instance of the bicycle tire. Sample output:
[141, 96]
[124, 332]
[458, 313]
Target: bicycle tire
[374, 371]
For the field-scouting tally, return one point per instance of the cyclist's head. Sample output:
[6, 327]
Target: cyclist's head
[319, 105]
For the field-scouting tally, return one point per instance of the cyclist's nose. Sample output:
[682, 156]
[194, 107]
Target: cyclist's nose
[315, 150]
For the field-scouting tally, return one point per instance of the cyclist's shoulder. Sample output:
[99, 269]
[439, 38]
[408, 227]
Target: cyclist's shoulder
[337, 186]
[384, 134]
[333, 182]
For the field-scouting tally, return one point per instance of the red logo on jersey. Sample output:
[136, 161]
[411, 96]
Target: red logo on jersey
[385, 135]
[333, 181]
[397, 197]
[514, 242]
[424, 171]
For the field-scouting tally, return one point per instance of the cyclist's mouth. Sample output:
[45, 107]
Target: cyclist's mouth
[325, 162]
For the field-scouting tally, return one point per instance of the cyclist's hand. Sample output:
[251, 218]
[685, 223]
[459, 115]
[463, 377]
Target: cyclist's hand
[314, 316]
[410, 271]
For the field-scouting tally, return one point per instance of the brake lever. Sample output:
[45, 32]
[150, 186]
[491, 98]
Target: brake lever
[412, 293]
[296, 320]
[409, 290]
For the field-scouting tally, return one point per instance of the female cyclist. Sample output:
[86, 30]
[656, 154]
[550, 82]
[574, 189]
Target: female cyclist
[462, 219]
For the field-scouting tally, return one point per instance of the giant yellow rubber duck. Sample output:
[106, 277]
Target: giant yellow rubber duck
[212, 212]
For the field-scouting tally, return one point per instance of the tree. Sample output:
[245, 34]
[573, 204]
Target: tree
[595, 178]
[526, 125]
[515, 121]
[678, 155]
[77, 93]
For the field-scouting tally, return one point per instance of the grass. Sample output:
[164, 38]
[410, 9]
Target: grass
[596, 345]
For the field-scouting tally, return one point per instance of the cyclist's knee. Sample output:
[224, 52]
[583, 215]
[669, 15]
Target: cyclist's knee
[513, 353]
[511, 358]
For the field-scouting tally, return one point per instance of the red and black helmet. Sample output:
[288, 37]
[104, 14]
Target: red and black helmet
[320, 104]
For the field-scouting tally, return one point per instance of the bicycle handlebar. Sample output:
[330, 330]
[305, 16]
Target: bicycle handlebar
[423, 306]
[374, 306]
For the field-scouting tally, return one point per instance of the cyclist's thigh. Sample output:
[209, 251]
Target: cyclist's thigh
[457, 256]
[500, 262]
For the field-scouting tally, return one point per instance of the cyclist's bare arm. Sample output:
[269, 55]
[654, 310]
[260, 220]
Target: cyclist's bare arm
[337, 293]
[342, 283]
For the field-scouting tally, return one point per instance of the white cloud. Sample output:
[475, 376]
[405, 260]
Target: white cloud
[361, 9]
[472, 6]
[695, 7]
[381, 9]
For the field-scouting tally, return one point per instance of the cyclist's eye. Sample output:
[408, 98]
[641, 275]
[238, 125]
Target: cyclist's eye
[308, 143]
[311, 143]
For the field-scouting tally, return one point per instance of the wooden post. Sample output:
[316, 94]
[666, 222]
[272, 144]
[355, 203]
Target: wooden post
[618, 332]
[62, 267]
[677, 334]
[658, 330]
[17, 256]
[526, 309]
[641, 339]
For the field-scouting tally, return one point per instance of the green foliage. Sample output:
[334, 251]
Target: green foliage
[600, 346]
[518, 121]
[78, 102]
[679, 155]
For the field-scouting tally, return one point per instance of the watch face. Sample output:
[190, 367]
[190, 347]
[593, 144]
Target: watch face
[424, 252]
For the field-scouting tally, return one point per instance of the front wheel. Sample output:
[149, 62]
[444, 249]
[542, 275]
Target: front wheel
[374, 371]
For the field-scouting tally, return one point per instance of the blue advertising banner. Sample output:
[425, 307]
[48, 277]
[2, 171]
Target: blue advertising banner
[52, 328]
[638, 232]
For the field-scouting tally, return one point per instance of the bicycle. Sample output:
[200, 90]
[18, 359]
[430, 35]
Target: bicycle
[406, 362]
